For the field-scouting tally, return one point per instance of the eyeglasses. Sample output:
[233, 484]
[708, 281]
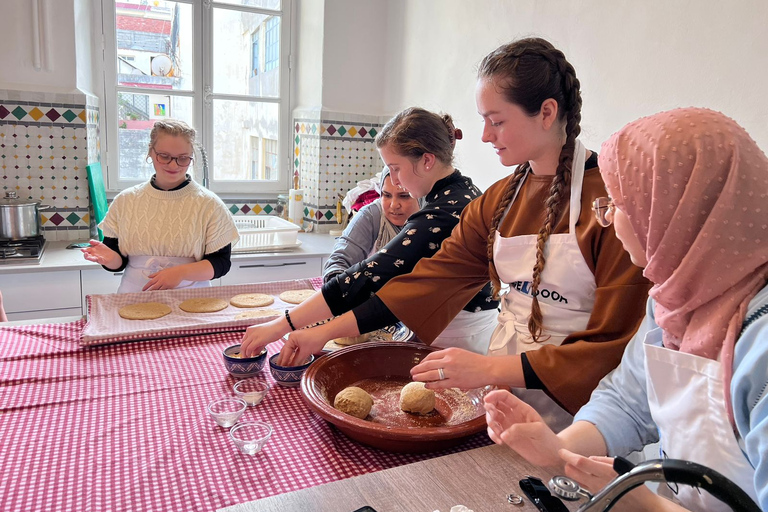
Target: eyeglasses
[181, 161]
[604, 210]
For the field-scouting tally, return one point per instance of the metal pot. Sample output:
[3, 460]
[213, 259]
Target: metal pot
[20, 218]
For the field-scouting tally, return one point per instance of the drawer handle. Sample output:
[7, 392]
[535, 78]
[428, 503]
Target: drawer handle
[263, 265]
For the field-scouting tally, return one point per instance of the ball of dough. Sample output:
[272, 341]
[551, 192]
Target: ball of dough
[354, 401]
[414, 397]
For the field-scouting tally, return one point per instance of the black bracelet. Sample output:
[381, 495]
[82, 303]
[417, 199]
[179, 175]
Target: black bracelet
[288, 317]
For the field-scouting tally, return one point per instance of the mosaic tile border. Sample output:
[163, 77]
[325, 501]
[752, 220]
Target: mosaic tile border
[43, 114]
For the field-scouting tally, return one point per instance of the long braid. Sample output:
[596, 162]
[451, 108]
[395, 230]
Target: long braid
[496, 220]
[561, 183]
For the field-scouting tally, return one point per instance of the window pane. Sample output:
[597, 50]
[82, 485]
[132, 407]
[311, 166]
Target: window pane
[137, 114]
[237, 127]
[246, 53]
[264, 4]
[154, 44]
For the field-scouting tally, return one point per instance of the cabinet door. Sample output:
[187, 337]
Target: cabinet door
[98, 281]
[50, 294]
[266, 270]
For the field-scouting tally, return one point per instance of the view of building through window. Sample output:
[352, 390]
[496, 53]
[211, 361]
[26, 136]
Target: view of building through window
[240, 97]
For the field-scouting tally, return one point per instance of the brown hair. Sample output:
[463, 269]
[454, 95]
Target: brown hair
[415, 131]
[528, 72]
[171, 127]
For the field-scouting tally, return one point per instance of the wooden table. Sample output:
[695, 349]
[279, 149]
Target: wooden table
[479, 479]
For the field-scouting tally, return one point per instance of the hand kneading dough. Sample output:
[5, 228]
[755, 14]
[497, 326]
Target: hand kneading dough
[352, 340]
[144, 311]
[414, 397]
[354, 401]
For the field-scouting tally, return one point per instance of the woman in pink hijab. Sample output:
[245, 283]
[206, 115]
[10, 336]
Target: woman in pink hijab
[689, 201]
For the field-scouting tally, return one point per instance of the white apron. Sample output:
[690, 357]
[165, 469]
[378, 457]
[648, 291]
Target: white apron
[136, 274]
[687, 403]
[469, 330]
[566, 293]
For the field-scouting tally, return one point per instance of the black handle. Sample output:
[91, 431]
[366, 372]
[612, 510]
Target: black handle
[696, 475]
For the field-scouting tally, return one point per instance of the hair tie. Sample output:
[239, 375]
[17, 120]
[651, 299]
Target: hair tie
[457, 134]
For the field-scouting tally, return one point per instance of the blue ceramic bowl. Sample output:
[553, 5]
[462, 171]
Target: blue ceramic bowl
[288, 376]
[243, 367]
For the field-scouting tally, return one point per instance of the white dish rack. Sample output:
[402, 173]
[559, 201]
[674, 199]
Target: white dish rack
[265, 233]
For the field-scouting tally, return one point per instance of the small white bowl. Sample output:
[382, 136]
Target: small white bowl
[226, 411]
[250, 436]
[252, 391]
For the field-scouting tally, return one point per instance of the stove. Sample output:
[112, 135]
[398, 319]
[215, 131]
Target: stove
[25, 250]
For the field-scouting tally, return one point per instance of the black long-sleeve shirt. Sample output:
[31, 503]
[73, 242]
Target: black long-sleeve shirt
[420, 238]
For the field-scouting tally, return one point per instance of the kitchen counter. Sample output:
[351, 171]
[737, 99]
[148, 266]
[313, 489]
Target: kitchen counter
[58, 257]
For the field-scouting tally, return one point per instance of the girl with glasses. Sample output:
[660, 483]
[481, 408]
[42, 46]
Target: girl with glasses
[689, 189]
[168, 232]
[574, 298]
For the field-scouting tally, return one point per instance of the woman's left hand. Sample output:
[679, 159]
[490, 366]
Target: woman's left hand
[166, 279]
[460, 369]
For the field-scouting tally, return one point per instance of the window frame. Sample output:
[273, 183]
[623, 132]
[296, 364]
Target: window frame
[202, 96]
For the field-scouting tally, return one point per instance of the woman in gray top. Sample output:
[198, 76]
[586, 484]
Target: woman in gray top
[371, 228]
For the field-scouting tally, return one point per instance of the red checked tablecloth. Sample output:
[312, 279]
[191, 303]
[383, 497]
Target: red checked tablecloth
[125, 427]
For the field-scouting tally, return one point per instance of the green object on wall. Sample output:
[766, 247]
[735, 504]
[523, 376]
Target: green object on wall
[98, 193]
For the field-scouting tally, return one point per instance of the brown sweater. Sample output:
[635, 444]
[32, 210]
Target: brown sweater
[427, 299]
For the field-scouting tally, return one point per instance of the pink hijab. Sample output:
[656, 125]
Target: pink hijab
[694, 186]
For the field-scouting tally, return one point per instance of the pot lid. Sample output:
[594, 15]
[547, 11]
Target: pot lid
[11, 199]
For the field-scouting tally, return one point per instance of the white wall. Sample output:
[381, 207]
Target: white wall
[354, 50]
[57, 73]
[632, 58]
[87, 19]
[308, 53]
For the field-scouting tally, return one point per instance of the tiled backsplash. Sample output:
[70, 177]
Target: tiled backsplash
[333, 151]
[46, 140]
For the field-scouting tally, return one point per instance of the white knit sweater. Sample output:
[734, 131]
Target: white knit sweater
[189, 222]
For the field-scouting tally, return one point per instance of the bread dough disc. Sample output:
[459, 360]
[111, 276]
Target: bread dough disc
[296, 296]
[354, 401]
[251, 300]
[144, 311]
[352, 340]
[203, 305]
[258, 313]
[414, 397]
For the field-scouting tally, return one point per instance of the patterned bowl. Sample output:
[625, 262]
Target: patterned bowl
[245, 366]
[288, 376]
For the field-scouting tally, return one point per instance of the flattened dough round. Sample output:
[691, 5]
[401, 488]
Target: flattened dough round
[258, 313]
[296, 296]
[414, 397]
[352, 340]
[144, 311]
[354, 401]
[251, 300]
[203, 305]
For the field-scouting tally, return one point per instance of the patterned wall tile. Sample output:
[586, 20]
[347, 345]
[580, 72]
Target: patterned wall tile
[332, 155]
[44, 148]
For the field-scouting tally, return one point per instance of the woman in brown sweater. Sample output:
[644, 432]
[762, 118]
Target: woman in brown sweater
[574, 298]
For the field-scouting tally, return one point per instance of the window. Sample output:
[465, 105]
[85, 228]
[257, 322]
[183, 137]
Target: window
[270, 158]
[255, 164]
[272, 46]
[199, 61]
[255, 52]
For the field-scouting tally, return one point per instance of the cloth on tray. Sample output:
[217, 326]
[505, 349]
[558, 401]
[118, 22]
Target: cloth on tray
[106, 326]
